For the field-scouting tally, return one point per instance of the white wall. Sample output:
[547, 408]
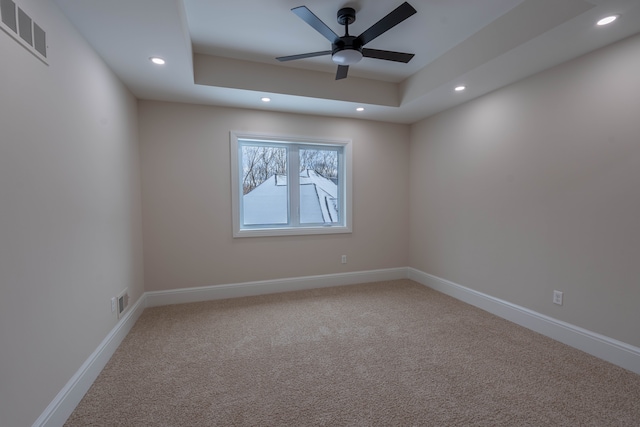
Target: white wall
[186, 183]
[70, 211]
[536, 187]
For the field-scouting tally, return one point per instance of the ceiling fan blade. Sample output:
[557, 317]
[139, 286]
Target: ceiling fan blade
[307, 16]
[342, 72]
[395, 17]
[303, 55]
[387, 55]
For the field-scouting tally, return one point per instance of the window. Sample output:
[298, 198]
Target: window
[285, 185]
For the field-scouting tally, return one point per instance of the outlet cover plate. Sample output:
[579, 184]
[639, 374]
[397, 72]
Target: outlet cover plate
[557, 297]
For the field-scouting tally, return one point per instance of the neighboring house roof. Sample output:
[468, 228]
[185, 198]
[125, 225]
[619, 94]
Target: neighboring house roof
[267, 203]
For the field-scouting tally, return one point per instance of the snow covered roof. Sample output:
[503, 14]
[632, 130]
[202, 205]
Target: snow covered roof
[267, 203]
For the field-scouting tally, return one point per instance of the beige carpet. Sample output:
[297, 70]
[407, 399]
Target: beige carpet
[381, 354]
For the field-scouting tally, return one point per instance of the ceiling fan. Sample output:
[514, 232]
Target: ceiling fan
[348, 50]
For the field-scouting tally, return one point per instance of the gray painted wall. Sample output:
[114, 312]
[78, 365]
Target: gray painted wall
[536, 187]
[187, 199]
[70, 211]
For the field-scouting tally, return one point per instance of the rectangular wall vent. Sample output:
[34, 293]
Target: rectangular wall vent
[25, 27]
[123, 302]
[19, 25]
[8, 12]
[39, 40]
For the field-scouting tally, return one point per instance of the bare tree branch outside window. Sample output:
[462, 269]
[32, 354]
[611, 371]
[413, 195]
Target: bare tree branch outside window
[259, 163]
[323, 162]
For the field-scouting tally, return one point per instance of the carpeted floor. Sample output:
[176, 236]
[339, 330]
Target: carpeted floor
[380, 354]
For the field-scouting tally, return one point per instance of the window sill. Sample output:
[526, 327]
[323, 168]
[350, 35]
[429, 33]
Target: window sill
[298, 231]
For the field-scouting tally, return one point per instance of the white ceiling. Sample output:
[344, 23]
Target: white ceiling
[223, 52]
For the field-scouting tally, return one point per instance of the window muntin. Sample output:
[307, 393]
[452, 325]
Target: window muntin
[268, 200]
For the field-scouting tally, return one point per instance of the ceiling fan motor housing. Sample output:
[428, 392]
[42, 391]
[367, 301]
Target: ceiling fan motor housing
[346, 42]
[348, 48]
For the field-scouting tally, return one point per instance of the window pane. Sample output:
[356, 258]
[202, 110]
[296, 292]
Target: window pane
[286, 186]
[319, 180]
[265, 197]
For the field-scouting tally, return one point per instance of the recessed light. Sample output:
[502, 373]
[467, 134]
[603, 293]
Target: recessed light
[360, 109]
[265, 99]
[608, 20]
[157, 60]
[460, 88]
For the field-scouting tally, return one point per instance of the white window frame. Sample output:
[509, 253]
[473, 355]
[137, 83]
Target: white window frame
[293, 180]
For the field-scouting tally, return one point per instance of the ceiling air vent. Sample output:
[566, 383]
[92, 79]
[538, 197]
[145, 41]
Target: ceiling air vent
[19, 25]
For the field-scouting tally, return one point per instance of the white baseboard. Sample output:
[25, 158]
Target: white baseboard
[207, 293]
[603, 347]
[616, 352]
[68, 398]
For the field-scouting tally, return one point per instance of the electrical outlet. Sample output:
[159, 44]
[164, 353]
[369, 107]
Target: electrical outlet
[344, 259]
[557, 297]
[113, 304]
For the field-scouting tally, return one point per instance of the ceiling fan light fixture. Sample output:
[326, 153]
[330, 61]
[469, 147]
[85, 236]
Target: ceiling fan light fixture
[347, 57]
